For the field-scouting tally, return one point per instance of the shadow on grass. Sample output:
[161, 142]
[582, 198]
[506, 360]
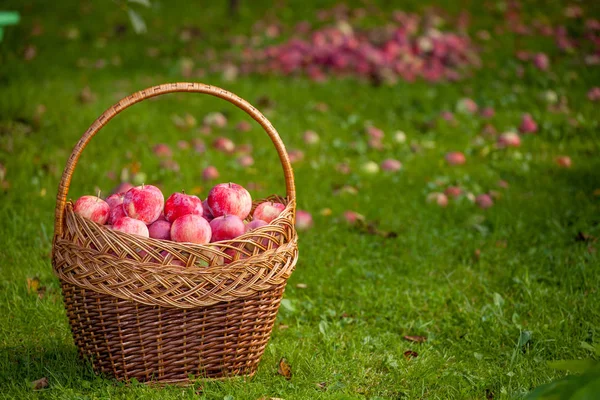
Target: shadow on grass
[61, 365]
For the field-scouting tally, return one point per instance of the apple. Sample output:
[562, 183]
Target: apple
[391, 165]
[484, 201]
[438, 198]
[467, 106]
[115, 199]
[224, 144]
[92, 208]
[254, 224]
[162, 150]
[206, 213]
[310, 137]
[594, 94]
[115, 214]
[541, 61]
[229, 199]
[370, 167]
[488, 112]
[563, 161]
[215, 119]
[144, 203]
[210, 173]
[132, 226]
[160, 229]
[304, 220]
[352, 217]
[268, 211]
[191, 228]
[243, 126]
[509, 139]
[226, 227]
[455, 158]
[528, 125]
[245, 160]
[180, 204]
[453, 191]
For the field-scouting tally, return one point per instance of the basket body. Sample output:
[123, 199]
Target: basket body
[129, 340]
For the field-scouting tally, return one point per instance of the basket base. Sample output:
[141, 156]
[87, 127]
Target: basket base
[127, 340]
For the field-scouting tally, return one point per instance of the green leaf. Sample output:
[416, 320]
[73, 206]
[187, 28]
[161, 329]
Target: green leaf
[524, 338]
[589, 391]
[594, 349]
[323, 325]
[498, 300]
[287, 304]
[145, 3]
[139, 26]
[573, 387]
[576, 366]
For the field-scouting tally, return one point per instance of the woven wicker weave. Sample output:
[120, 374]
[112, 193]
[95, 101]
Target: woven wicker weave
[163, 311]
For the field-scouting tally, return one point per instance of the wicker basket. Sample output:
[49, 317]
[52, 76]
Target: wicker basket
[164, 311]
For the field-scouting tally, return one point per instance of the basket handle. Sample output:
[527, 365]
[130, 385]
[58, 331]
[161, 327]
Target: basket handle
[63, 189]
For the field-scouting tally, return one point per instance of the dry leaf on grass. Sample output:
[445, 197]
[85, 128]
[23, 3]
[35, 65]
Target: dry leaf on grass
[40, 384]
[284, 369]
[416, 339]
[408, 354]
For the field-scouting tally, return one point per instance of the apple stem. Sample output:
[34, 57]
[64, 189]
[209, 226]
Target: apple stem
[229, 184]
[143, 186]
[183, 191]
[98, 197]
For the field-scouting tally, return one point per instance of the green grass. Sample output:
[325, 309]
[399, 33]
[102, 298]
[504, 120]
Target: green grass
[364, 292]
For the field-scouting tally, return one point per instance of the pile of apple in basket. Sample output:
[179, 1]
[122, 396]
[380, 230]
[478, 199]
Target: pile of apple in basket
[142, 211]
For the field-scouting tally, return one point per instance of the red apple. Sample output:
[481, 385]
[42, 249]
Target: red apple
[206, 211]
[268, 211]
[162, 150]
[229, 199]
[224, 144]
[438, 198]
[563, 161]
[484, 201]
[226, 227]
[541, 61]
[144, 203]
[391, 165]
[594, 94]
[215, 119]
[116, 213]
[509, 139]
[243, 126]
[254, 224]
[180, 204]
[456, 158]
[160, 229]
[303, 220]
[310, 137]
[488, 112]
[132, 226]
[453, 191]
[245, 160]
[210, 173]
[115, 199]
[92, 208]
[191, 228]
[528, 125]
